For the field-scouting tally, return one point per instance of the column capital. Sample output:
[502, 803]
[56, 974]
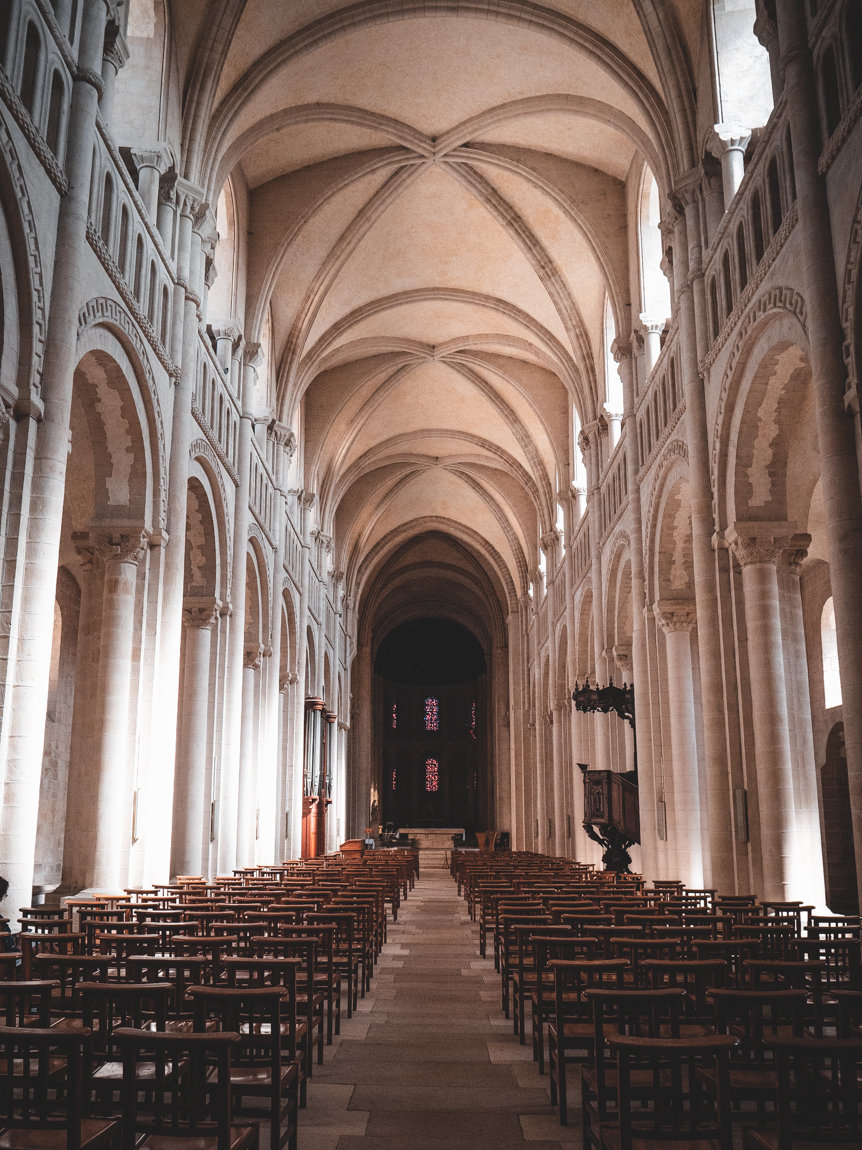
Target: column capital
[120, 547]
[159, 156]
[252, 355]
[797, 552]
[729, 138]
[228, 330]
[621, 349]
[651, 325]
[115, 50]
[189, 197]
[623, 659]
[283, 436]
[756, 542]
[200, 612]
[675, 615]
[251, 656]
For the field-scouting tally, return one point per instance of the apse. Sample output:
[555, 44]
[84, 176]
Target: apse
[430, 676]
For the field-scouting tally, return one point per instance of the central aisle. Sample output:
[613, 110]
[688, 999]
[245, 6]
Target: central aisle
[428, 1061]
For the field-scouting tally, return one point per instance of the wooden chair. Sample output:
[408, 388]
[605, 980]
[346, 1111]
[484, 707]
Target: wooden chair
[189, 1111]
[816, 1096]
[661, 1099]
[309, 1002]
[647, 1013]
[41, 1092]
[571, 1034]
[346, 956]
[108, 1006]
[258, 1071]
[27, 1003]
[696, 978]
[753, 1017]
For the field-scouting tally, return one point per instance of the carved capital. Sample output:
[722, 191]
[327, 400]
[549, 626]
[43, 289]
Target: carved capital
[675, 615]
[115, 49]
[120, 547]
[85, 550]
[764, 23]
[230, 330]
[651, 325]
[336, 575]
[620, 349]
[251, 656]
[283, 436]
[754, 542]
[729, 138]
[550, 540]
[623, 659]
[797, 553]
[323, 539]
[189, 197]
[200, 612]
[159, 156]
[252, 355]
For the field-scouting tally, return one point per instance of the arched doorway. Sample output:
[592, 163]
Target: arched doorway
[432, 675]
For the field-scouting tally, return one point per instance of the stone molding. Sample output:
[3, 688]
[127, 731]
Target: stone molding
[102, 311]
[32, 134]
[119, 281]
[750, 291]
[776, 299]
[36, 313]
[215, 446]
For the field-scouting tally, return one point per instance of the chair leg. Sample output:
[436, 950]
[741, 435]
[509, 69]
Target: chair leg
[561, 1085]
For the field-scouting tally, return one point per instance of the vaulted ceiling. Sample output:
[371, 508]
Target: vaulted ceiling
[439, 202]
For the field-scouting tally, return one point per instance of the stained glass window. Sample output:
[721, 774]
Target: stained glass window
[432, 775]
[394, 778]
[471, 722]
[394, 715]
[432, 716]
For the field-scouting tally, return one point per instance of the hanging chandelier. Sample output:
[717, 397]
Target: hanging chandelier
[605, 699]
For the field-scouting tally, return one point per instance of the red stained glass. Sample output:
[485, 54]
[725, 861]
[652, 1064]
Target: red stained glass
[394, 778]
[432, 775]
[473, 721]
[394, 716]
[432, 715]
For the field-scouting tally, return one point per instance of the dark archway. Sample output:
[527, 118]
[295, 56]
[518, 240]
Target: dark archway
[839, 861]
[432, 678]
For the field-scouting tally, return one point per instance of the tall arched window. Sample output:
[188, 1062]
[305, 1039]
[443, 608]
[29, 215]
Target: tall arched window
[432, 714]
[30, 69]
[432, 775]
[829, 653]
[151, 294]
[830, 92]
[713, 308]
[757, 227]
[655, 290]
[55, 114]
[741, 257]
[727, 276]
[853, 39]
[123, 246]
[107, 209]
[138, 284]
[166, 307]
[773, 185]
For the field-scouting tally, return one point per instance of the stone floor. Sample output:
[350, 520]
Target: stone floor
[428, 1061]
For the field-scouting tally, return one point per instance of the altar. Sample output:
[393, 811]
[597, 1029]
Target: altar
[432, 838]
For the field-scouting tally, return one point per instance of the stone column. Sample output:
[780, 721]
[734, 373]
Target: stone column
[226, 336]
[635, 666]
[652, 329]
[152, 163]
[115, 55]
[719, 870]
[589, 444]
[835, 425]
[622, 657]
[809, 881]
[247, 796]
[499, 743]
[236, 655]
[758, 548]
[120, 554]
[199, 618]
[195, 221]
[729, 142]
[677, 620]
[27, 702]
[558, 718]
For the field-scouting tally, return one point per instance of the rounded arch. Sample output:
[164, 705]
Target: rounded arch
[204, 466]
